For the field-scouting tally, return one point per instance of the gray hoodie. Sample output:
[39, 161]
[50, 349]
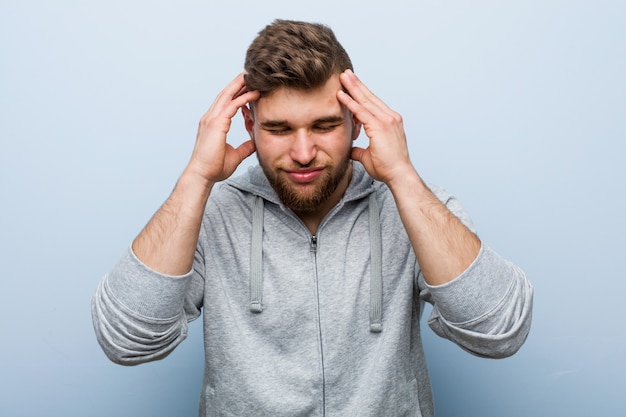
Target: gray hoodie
[301, 325]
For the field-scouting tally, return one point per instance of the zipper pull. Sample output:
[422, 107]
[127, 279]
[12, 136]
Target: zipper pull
[313, 243]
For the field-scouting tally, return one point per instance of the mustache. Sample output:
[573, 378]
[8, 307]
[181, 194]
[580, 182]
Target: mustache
[295, 165]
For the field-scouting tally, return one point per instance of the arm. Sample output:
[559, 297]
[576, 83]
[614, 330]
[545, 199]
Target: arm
[443, 245]
[141, 308]
[167, 243]
[481, 301]
[487, 309]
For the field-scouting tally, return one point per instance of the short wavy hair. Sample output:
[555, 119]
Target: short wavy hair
[293, 54]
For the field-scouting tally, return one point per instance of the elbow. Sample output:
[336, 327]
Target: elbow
[493, 346]
[126, 357]
[505, 336]
[128, 340]
[130, 350]
[496, 336]
[119, 355]
[503, 343]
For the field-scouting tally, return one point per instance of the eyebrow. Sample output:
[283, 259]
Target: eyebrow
[321, 120]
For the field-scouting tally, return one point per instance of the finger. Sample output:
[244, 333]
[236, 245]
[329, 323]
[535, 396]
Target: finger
[358, 89]
[360, 96]
[362, 114]
[245, 149]
[357, 154]
[241, 91]
[234, 90]
[363, 95]
[231, 100]
[245, 98]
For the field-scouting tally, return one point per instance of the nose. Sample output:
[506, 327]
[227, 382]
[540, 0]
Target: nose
[303, 148]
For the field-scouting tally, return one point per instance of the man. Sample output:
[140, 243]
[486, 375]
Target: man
[311, 270]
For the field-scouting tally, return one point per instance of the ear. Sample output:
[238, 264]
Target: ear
[248, 118]
[356, 127]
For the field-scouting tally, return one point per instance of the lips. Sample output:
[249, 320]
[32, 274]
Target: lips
[304, 176]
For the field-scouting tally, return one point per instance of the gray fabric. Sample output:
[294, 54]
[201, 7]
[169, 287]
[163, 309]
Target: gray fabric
[256, 258]
[376, 280]
[311, 352]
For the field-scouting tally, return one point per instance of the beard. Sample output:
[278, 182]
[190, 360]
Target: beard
[306, 201]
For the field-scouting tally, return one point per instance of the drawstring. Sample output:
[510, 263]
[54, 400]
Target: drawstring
[256, 258]
[376, 281]
[376, 268]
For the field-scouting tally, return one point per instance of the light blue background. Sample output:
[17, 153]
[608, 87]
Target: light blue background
[517, 107]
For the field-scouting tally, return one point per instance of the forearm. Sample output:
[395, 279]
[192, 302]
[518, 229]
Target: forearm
[167, 244]
[443, 245]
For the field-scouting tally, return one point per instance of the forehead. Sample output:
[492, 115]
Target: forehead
[296, 105]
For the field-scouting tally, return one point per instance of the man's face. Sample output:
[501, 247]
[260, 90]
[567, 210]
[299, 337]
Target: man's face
[303, 141]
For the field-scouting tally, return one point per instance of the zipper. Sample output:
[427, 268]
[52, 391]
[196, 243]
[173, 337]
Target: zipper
[313, 249]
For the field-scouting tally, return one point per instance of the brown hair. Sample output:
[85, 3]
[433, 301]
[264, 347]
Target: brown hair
[293, 54]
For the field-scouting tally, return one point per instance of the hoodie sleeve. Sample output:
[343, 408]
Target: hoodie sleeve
[486, 310]
[140, 315]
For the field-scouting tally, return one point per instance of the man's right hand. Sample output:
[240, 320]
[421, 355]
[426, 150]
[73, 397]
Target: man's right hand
[168, 242]
[213, 159]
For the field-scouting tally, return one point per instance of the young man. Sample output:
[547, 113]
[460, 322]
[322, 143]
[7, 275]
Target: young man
[311, 269]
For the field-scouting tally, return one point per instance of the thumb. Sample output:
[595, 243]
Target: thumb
[357, 154]
[245, 149]
[365, 158]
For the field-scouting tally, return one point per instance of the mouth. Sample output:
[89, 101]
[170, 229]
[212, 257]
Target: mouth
[305, 175]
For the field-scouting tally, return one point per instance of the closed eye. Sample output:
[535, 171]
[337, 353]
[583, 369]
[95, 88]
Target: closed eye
[325, 128]
[278, 131]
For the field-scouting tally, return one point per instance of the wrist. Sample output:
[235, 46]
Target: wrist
[192, 179]
[190, 195]
[407, 179]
